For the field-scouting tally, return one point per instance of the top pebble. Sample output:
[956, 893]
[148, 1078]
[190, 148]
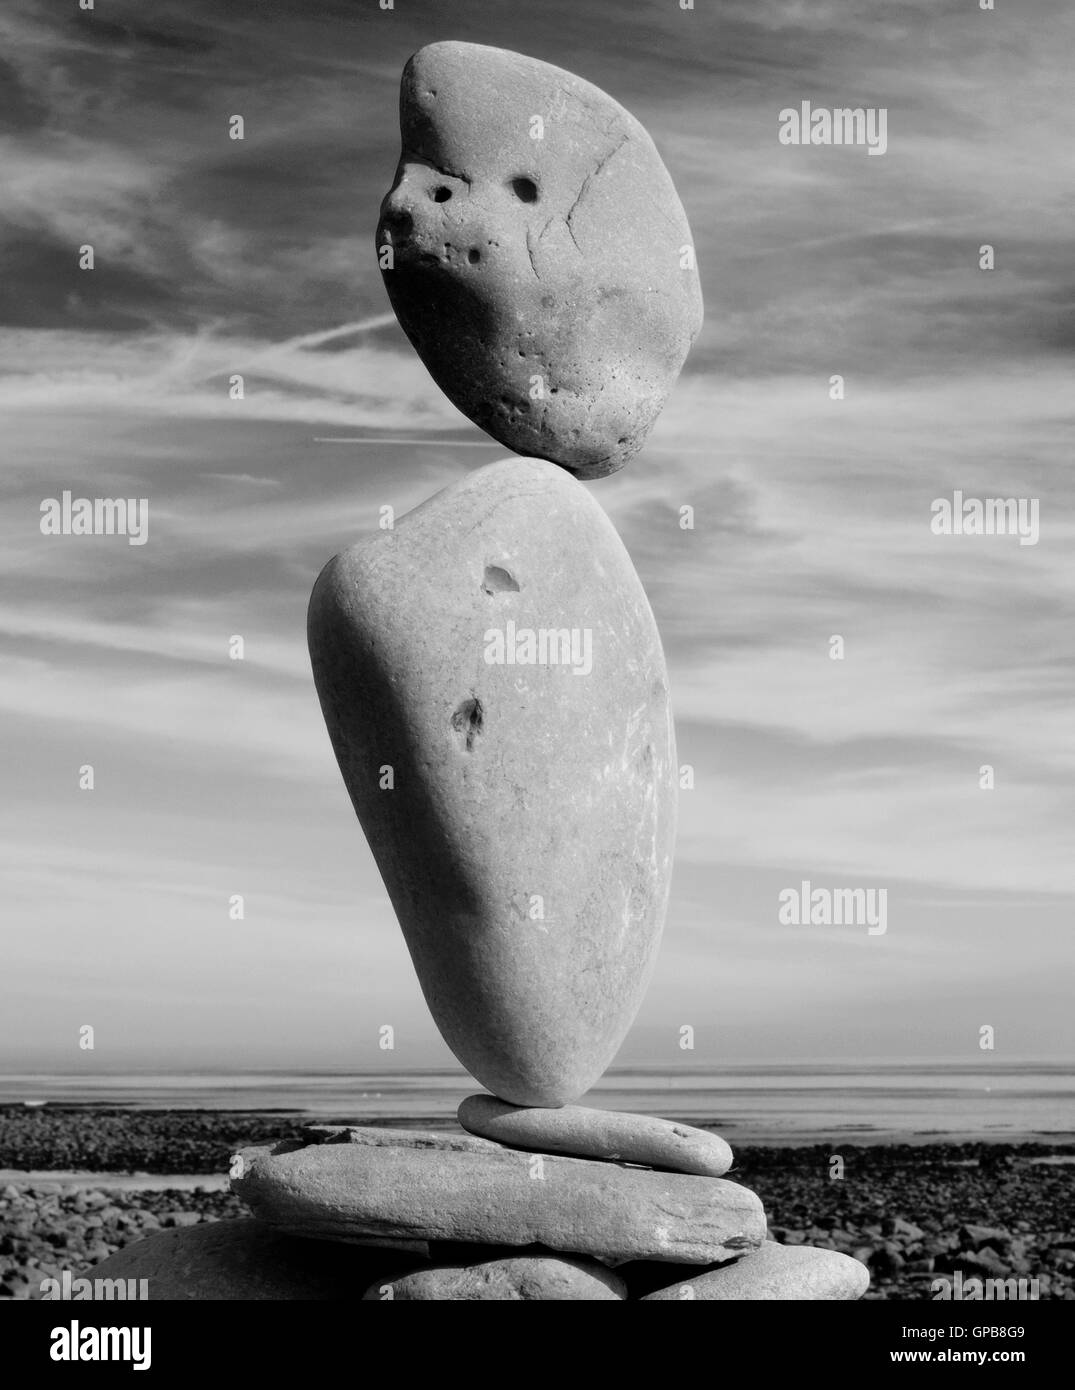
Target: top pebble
[540, 259]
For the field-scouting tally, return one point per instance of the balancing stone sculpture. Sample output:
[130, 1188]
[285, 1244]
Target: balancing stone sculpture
[497, 652]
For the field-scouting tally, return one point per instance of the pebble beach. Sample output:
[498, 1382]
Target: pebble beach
[78, 1184]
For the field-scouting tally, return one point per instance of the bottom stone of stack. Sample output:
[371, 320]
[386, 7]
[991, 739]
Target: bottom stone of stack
[246, 1260]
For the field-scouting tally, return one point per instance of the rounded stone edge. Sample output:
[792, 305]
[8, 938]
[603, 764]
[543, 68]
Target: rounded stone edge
[705, 1287]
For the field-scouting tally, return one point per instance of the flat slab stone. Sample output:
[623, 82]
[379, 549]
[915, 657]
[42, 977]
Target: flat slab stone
[247, 1260]
[606, 1134]
[537, 255]
[493, 683]
[378, 1137]
[517, 1279]
[775, 1272]
[343, 1192]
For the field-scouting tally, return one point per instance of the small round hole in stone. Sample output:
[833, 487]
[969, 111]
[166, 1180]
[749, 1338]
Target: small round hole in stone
[525, 190]
[441, 194]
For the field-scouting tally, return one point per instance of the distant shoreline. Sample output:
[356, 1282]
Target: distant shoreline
[792, 1105]
[102, 1138]
[730, 1128]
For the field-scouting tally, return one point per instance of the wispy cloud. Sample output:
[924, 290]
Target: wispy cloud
[218, 258]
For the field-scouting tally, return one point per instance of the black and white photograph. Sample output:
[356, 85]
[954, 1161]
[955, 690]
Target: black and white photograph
[538, 673]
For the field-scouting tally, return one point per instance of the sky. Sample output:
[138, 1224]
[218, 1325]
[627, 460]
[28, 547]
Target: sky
[214, 777]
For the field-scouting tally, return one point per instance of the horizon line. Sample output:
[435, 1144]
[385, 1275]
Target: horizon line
[627, 1069]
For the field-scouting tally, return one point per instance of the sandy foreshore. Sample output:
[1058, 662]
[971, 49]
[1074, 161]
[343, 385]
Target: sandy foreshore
[78, 1184]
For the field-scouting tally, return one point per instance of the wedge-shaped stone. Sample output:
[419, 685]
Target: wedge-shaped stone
[381, 1136]
[494, 687]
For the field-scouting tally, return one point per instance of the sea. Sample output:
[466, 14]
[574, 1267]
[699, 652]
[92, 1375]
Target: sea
[779, 1105]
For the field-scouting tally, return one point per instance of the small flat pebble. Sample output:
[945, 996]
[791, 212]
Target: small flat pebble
[589, 1133]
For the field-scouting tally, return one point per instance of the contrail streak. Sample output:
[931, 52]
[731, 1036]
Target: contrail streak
[326, 335]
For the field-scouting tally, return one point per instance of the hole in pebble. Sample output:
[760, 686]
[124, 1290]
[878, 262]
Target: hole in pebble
[498, 580]
[474, 255]
[467, 723]
[525, 190]
[441, 194]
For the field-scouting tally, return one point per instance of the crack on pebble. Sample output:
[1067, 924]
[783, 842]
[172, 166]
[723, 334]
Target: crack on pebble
[589, 179]
[530, 253]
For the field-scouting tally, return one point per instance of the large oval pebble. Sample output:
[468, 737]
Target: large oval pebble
[495, 690]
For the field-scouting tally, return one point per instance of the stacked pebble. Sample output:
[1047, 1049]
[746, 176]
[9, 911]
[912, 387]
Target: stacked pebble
[537, 255]
[529, 1205]
[639, 1209]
